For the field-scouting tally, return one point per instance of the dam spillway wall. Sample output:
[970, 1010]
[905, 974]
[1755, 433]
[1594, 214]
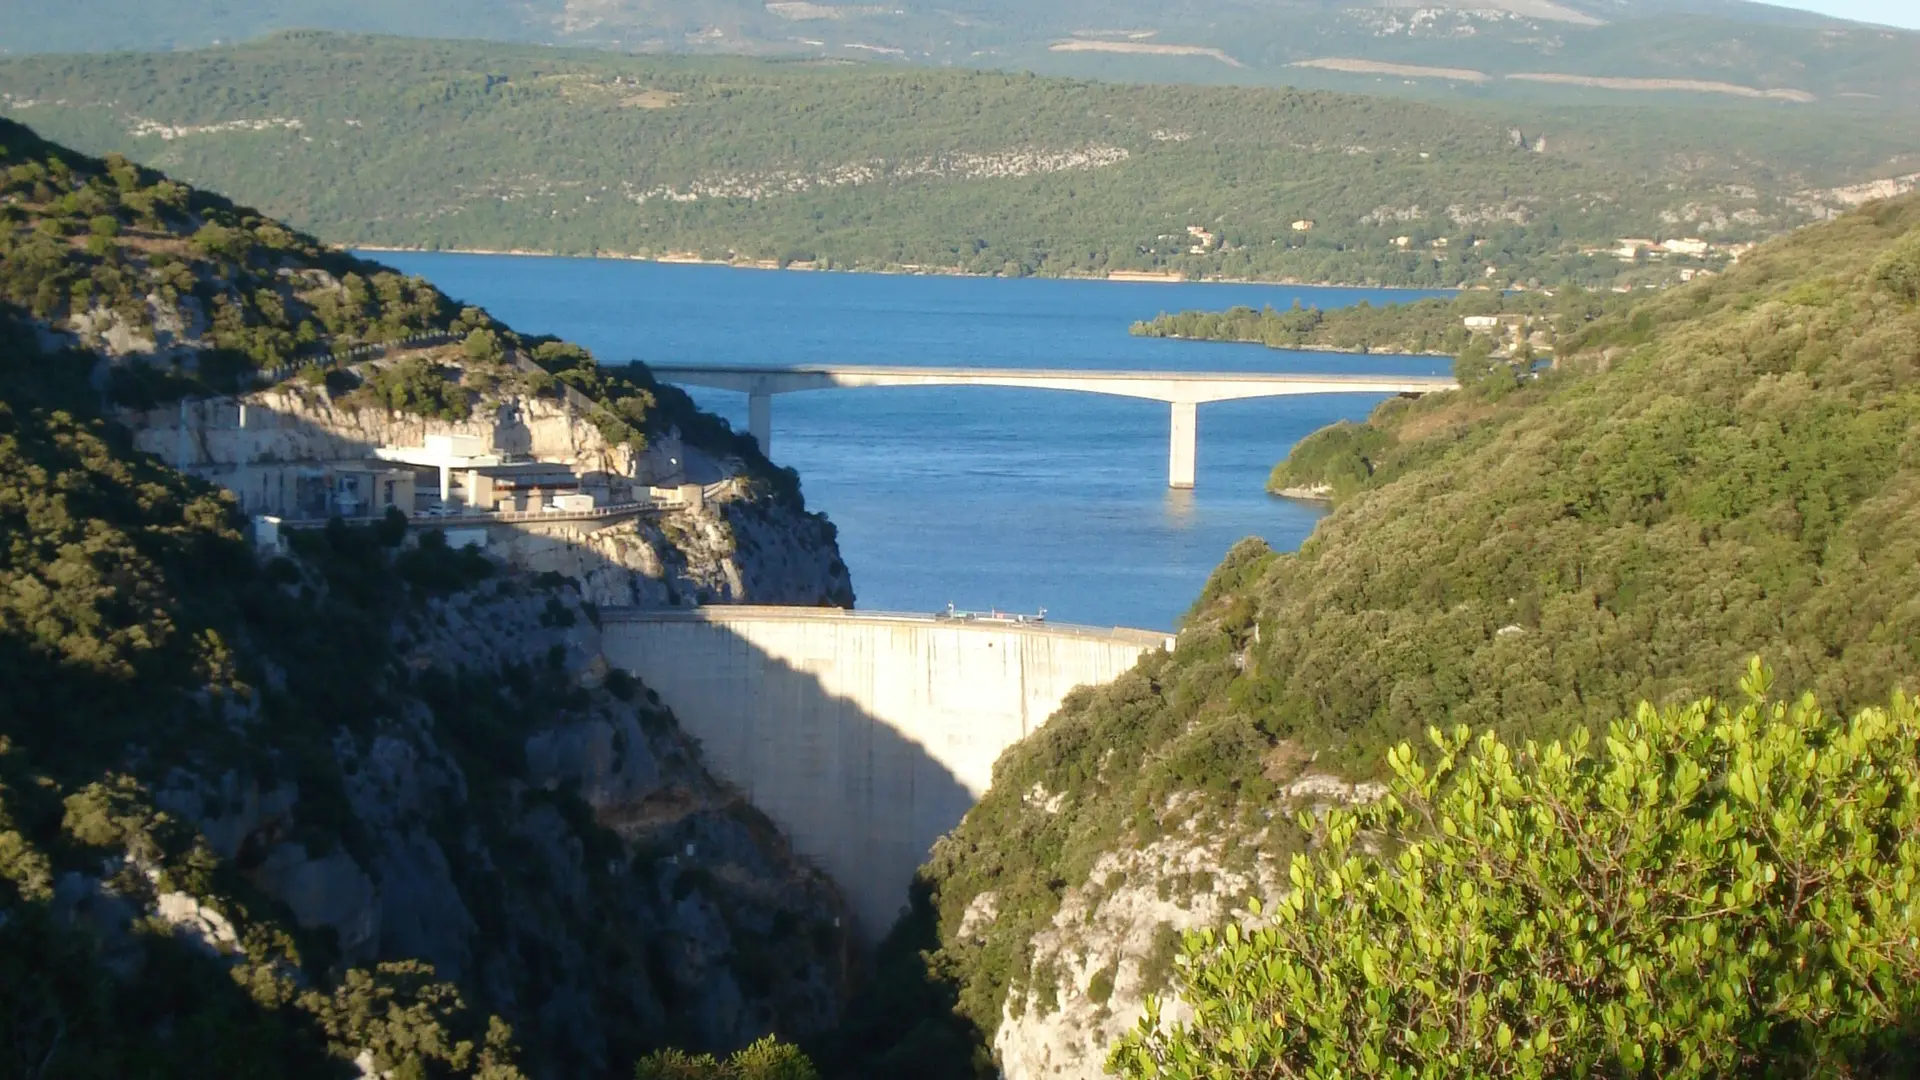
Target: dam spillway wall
[864, 736]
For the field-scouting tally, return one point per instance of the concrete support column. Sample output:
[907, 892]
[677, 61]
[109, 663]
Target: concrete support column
[446, 484]
[760, 421]
[1180, 444]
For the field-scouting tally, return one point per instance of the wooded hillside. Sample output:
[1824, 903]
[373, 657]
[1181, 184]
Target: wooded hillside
[456, 144]
[1729, 469]
[275, 814]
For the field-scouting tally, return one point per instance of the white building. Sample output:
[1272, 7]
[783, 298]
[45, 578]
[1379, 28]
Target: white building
[446, 453]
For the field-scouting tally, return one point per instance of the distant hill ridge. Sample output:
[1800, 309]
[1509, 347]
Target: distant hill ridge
[467, 145]
[1756, 46]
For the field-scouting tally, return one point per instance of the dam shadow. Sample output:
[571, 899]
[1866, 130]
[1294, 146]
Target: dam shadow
[859, 799]
[866, 736]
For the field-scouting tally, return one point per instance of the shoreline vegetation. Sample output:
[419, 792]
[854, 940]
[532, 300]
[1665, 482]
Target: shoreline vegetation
[1498, 342]
[1518, 325]
[1144, 277]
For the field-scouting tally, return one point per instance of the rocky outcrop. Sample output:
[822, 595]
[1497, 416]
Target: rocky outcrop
[302, 423]
[1114, 939]
[1307, 492]
[593, 884]
[741, 544]
[736, 548]
[1112, 943]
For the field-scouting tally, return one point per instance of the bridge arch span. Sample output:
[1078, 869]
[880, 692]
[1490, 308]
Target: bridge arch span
[865, 736]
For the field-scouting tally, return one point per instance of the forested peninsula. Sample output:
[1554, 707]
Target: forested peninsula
[464, 145]
[1503, 322]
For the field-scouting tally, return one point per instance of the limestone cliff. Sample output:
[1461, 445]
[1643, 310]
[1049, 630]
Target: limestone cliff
[580, 875]
[295, 422]
[361, 799]
[737, 548]
[741, 543]
[1113, 939]
[698, 926]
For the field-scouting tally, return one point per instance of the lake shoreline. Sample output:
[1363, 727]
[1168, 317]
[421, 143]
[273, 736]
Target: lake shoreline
[1299, 348]
[1121, 277]
[1310, 493]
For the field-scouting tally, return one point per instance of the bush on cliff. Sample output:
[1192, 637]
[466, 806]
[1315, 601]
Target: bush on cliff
[1333, 461]
[764, 1060]
[1717, 892]
[421, 388]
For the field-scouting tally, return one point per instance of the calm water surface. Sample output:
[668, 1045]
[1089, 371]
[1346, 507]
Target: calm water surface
[982, 496]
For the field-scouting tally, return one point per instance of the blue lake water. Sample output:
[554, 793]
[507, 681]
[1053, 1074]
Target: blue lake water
[980, 496]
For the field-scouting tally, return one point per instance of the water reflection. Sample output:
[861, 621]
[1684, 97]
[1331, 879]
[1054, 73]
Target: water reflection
[1176, 508]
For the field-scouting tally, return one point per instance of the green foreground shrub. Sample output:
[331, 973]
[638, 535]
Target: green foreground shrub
[1717, 892]
[767, 1059]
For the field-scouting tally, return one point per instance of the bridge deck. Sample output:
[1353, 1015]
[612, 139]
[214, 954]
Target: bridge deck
[1174, 386]
[1185, 391]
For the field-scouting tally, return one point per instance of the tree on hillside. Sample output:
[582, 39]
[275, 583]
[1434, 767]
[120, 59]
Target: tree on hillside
[483, 347]
[764, 1060]
[1717, 892]
[421, 387]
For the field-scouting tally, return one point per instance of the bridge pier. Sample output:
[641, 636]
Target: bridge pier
[760, 421]
[1180, 444]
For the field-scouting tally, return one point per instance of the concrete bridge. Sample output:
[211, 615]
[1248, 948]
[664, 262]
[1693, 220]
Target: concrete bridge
[1184, 391]
[864, 735]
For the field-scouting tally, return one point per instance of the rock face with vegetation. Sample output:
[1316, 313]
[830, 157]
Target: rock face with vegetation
[1727, 469]
[735, 549]
[375, 802]
[183, 295]
[742, 542]
[1712, 890]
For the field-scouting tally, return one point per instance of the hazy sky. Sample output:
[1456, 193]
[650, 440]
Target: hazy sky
[1891, 12]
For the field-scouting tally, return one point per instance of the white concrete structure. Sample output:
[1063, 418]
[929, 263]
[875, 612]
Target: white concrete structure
[266, 534]
[446, 453]
[865, 736]
[1184, 391]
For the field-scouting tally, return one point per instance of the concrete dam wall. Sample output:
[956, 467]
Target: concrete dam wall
[865, 736]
